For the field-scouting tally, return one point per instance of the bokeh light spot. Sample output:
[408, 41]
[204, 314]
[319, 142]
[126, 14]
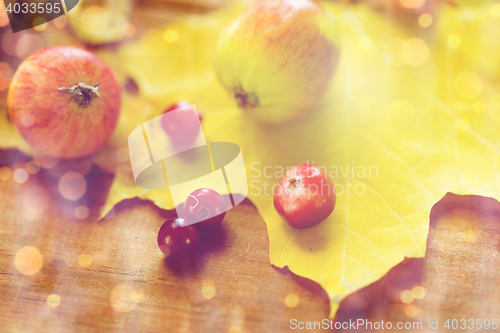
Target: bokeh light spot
[495, 10]
[425, 20]
[411, 310]
[454, 41]
[121, 298]
[28, 260]
[61, 22]
[72, 185]
[53, 301]
[85, 260]
[36, 200]
[208, 290]
[128, 29]
[9, 42]
[234, 329]
[28, 44]
[39, 24]
[138, 296]
[418, 292]
[82, 212]
[414, 52]
[21, 176]
[4, 20]
[406, 296]
[468, 86]
[291, 300]
[469, 235]
[32, 167]
[170, 36]
[412, 3]
[4, 83]
[126, 170]
[5, 70]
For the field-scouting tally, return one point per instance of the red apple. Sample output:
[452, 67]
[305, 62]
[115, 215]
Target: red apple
[65, 101]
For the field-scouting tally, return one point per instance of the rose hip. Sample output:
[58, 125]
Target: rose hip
[206, 206]
[173, 239]
[305, 196]
[183, 126]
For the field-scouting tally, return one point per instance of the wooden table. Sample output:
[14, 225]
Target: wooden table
[122, 284]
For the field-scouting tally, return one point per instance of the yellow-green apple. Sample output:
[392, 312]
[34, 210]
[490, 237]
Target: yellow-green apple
[99, 22]
[277, 58]
[65, 101]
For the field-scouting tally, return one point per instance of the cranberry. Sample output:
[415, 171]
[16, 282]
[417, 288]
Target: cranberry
[205, 205]
[182, 126]
[305, 196]
[173, 239]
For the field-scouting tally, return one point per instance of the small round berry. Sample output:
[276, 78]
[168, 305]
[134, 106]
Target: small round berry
[182, 126]
[173, 239]
[305, 196]
[205, 205]
[183, 104]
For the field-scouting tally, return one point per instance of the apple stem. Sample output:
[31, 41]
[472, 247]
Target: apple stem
[245, 100]
[81, 93]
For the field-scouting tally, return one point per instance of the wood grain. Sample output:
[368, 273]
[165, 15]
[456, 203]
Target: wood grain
[249, 291]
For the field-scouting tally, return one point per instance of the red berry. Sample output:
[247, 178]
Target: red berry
[182, 104]
[305, 196]
[173, 239]
[182, 126]
[205, 205]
